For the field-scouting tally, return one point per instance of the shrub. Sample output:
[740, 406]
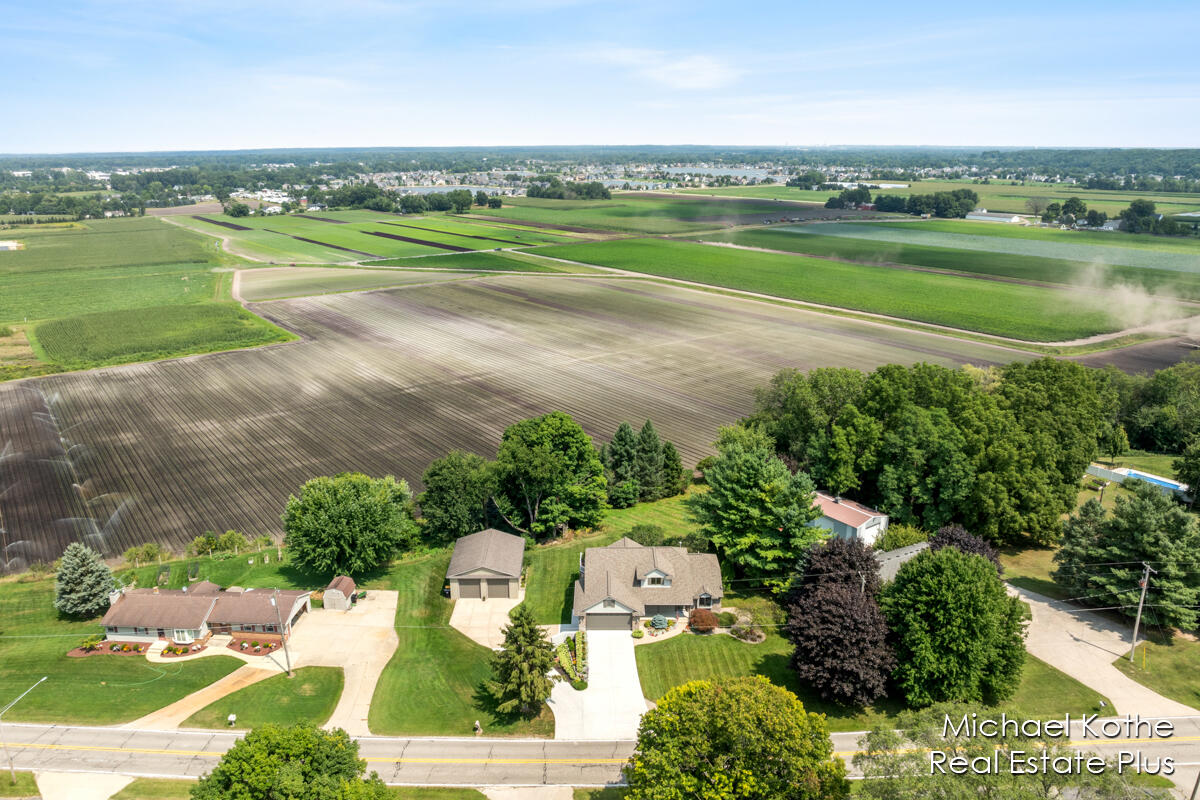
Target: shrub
[580, 646]
[124, 648]
[898, 535]
[727, 619]
[254, 644]
[659, 622]
[565, 661]
[638, 634]
[748, 633]
[115, 648]
[648, 535]
[579, 685]
[957, 536]
[701, 620]
[5, 331]
[90, 644]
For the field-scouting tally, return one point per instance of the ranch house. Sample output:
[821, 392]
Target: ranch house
[193, 614]
[624, 582]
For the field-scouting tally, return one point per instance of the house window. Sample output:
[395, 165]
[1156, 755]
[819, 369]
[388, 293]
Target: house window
[705, 601]
[656, 581]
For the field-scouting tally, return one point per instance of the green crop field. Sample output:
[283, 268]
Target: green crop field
[279, 282]
[128, 242]
[113, 337]
[995, 196]
[354, 235]
[635, 213]
[1136, 241]
[810, 240]
[1094, 248]
[1025, 312]
[485, 261]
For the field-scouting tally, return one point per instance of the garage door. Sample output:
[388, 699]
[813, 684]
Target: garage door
[469, 589]
[497, 587]
[609, 622]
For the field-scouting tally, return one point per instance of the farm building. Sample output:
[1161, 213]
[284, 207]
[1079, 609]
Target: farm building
[185, 616]
[10, 245]
[486, 564]
[848, 519]
[339, 594]
[983, 215]
[625, 582]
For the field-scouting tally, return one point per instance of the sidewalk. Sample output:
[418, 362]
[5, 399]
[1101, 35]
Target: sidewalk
[1084, 644]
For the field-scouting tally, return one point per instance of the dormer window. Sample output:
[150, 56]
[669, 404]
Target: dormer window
[654, 581]
[705, 601]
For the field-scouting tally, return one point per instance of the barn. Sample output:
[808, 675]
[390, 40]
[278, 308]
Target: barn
[486, 564]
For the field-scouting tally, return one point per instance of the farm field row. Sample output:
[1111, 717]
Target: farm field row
[277, 283]
[1029, 313]
[1090, 248]
[482, 260]
[385, 382]
[811, 240]
[132, 242]
[340, 236]
[997, 196]
[1136, 241]
[638, 213]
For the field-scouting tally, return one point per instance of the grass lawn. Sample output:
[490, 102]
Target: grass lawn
[25, 786]
[433, 686]
[607, 793]
[1154, 463]
[1029, 313]
[156, 789]
[1030, 568]
[309, 696]
[553, 569]
[1044, 691]
[165, 789]
[1172, 670]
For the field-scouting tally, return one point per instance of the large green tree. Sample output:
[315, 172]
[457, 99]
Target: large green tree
[736, 739]
[648, 463]
[522, 666]
[620, 460]
[348, 523]
[755, 511]
[458, 489]
[1101, 556]
[1187, 468]
[675, 478]
[550, 475]
[959, 636]
[301, 762]
[83, 582]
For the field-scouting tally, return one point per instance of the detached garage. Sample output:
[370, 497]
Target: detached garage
[486, 564]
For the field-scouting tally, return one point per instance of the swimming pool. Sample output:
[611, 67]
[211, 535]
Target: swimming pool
[1169, 484]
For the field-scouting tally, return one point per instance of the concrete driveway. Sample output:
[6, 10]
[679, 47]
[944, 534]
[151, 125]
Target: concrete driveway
[1084, 645]
[482, 620]
[612, 705]
[360, 641]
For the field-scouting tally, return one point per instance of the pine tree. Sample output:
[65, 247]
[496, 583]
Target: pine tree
[674, 477]
[522, 667]
[619, 459]
[649, 462]
[83, 582]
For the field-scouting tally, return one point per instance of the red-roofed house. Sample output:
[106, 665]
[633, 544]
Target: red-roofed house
[848, 519]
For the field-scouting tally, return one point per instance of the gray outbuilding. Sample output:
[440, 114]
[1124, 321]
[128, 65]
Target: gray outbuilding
[486, 564]
[339, 594]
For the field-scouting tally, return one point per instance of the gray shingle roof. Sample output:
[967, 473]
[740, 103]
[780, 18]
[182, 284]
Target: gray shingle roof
[491, 549]
[613, 572]
[146, 609]
[253, 607]
[343, 584]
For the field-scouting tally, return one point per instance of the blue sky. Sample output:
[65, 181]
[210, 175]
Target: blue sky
[195, 74]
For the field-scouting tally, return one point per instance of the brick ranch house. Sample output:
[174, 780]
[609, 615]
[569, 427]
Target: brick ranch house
[624, 582]
[192, 614]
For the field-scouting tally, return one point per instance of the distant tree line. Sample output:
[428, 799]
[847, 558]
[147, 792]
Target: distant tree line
[91, 206]
[641, 466]
[956, 203]
[555, 189]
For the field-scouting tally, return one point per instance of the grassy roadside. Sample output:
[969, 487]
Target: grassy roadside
[1171, 669]
[309, 696]
[166, 789]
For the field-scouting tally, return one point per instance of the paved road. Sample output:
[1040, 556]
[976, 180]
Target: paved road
[426, 762]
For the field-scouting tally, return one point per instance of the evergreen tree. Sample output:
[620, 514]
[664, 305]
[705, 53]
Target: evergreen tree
[522, 666]
[83, 582]
[1187, 468]
[674, 476]
[619, 459]
[649, 463]
[1149, 526]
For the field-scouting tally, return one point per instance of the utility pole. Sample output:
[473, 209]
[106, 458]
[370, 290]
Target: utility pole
[1138, 622]
[282, 633]
[12, 770]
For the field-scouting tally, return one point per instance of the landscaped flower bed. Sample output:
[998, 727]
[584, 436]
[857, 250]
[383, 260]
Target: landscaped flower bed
[181, 650]
[254, 646]
[572, 659]
[109, 648]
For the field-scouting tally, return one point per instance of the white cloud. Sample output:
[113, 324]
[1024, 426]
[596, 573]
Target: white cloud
[671, 69]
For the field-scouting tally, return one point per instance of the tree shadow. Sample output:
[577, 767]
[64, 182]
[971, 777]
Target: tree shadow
[568, 599]
[487, 705]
